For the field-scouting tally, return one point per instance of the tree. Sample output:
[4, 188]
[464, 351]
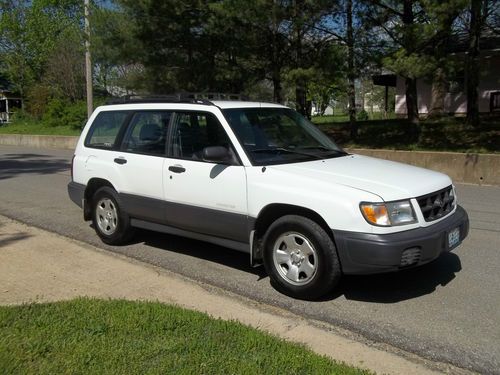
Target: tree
[30, 32]
[478, 13]
[403, 24]
[441, 18]
[259, 36]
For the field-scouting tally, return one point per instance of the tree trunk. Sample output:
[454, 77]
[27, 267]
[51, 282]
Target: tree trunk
[438, 93]
[411, 100]
[472, 63]
[276, 69]
[351, 75]
[277, 87]
[300, 87]
[409, 44]
[439, 83]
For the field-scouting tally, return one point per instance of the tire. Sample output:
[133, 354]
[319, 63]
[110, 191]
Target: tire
[111, 223]
[300, 258]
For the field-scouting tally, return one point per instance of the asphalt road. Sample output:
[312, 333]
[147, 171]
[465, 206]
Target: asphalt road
[447, 311]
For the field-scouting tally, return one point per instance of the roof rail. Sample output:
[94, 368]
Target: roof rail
[216, 96]
[174, 98]
[188, 97]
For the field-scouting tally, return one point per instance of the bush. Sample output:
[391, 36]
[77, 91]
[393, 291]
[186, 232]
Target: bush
[362, 115]
[61, 112]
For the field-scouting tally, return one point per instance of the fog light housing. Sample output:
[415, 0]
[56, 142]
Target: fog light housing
[410, 256]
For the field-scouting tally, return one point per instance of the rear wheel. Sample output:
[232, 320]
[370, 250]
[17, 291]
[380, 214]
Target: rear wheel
[300, 258]
[111, 224]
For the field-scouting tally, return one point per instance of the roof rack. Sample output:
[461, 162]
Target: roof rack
[192, 98]
[174, 98]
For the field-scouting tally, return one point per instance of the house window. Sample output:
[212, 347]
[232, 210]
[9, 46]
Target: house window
[456, 83]
[495, 101]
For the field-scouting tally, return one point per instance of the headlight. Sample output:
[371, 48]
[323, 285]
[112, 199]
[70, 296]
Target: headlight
[389, 213]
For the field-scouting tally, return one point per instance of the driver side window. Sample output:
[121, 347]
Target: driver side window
[193, 131]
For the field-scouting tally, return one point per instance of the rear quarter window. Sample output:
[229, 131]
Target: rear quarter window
[105, 128]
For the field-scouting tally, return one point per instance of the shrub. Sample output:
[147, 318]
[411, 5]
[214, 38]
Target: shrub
[61, 112]
[362, 115]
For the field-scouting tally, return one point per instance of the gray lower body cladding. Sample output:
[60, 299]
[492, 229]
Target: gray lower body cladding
[366, 253]
[181, 219]
[76, 193]
[360, 253]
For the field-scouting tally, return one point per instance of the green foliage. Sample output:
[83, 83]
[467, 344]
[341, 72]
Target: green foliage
[445, 134]
[29, 33]
[120, 337]
[61, 112]
[362, 115]
[25, 124]
[412, 66]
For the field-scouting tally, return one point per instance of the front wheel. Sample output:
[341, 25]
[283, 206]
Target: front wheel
[111, 224]
[300, 258]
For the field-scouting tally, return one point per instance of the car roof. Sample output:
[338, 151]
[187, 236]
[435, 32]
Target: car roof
[222, 104]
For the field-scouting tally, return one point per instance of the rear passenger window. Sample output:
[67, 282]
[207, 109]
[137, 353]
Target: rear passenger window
[147, 133]
[105, 128]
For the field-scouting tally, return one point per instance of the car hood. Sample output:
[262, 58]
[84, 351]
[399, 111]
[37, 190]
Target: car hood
[387, 179]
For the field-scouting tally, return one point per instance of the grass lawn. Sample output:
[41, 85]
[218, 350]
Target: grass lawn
[328, 119]
[36, 128]
[122, 337]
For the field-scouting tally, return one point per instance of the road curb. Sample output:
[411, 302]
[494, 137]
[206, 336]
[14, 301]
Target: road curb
[39, 141]
[469, 168]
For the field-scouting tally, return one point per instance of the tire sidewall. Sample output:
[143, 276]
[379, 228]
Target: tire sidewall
[123, 221]
[328, 268]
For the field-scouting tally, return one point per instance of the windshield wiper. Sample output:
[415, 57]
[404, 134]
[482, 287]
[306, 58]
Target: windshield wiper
[279, 150]
[322, 148]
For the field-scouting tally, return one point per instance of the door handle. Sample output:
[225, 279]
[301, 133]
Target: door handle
[177, 169]
[120, 161]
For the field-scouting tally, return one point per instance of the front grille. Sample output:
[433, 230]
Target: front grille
[438, 204]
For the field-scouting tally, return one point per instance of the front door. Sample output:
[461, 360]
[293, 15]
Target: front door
[201, 196]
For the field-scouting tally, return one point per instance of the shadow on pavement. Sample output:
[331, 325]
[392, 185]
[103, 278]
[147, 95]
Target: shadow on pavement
[402, 285]
[12, 165]
[380, 288]
[199, 249]
[7, 238]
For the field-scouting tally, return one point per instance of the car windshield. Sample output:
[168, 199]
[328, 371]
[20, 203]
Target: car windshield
[279, 135]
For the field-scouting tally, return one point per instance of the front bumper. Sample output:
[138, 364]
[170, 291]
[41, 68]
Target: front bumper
[365, 253]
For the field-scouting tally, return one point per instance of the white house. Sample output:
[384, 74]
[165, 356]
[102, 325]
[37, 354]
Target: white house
[9, 101]
[455, 102]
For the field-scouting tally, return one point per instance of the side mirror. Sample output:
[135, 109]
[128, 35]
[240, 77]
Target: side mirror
[216, 154]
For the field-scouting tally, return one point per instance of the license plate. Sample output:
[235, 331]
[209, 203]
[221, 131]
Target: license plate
[453, 238]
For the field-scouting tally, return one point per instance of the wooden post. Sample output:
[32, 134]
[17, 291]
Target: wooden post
[88, 62]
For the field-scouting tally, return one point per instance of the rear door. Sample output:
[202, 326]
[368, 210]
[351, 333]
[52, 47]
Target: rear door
[201, 196]
[140, 160]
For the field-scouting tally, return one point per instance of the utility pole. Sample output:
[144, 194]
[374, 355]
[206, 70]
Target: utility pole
[88, 63]
[351, 74]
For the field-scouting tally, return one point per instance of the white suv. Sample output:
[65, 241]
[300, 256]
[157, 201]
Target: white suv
[259, 178]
